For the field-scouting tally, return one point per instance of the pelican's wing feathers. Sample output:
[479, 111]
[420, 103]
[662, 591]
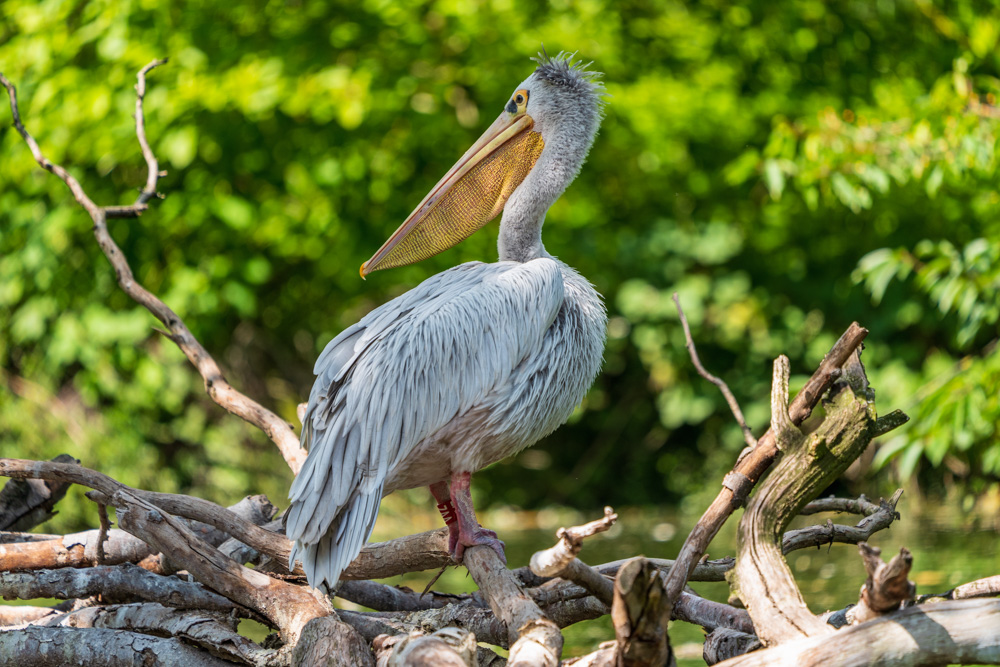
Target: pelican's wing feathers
[399, 375]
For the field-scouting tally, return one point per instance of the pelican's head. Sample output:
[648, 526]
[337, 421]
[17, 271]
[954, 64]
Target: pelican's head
[548, 123]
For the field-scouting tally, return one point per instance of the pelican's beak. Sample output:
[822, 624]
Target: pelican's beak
[472, 193]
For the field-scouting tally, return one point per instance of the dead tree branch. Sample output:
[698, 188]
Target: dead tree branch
[22, 614]
[287, 607]
[116, 584]
[951, 632]
[216, 385]
[877, 517]
[886, 587]
[561, 560]
[750, 468]
[212, 631]
[808, 465]
[535, 640]
[711, 615]
[75, 550]
[56, 647]
[981, 588]
[26, 503]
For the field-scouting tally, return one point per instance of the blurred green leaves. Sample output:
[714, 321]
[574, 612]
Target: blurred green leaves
[786, 168]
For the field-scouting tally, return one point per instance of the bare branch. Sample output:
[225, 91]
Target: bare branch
[956, 631]
[288, 607]
[734, 405]
[216, 385]
[860, 505]
[711, 615]
[75, 550]
[113, 648]
[212, 631]
[561, 561]
[382, 597]
[750, 468]
[535, 640]
[23, 614]
[27, 503]
[881, 518]
[116, 584]
[981, 588]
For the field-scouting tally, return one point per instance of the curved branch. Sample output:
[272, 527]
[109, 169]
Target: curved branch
[751, 467]
[216, 385]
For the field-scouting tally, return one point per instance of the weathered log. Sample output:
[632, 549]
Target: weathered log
[75, 550]
[115, 584]
[725, 643]
[327, 641]
[761, 578]
[58, 647]
[535, 640]
[951, 632]
[23, 614]
[448, 647]
[212, 631]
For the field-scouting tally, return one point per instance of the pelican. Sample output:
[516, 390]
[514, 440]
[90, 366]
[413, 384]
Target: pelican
[475, 363]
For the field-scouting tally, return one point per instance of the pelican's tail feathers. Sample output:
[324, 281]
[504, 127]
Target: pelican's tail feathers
[326, 559]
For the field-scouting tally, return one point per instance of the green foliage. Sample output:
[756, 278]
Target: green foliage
[785, 167]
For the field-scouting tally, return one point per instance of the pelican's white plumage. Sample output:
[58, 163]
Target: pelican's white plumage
[469, 367]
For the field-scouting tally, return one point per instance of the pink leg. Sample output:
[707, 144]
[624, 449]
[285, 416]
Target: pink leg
[442, 495]
[470, 533]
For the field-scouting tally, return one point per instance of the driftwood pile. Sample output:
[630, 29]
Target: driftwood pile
[171, 583]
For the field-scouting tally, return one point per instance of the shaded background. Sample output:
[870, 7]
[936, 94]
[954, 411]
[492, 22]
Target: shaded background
[786, 167]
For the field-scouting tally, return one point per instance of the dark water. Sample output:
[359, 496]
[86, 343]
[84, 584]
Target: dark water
[952, 542]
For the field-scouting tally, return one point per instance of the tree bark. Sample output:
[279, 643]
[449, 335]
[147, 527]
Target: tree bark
[952, 632]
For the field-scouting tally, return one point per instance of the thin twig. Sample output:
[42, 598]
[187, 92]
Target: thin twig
[216, 385]
[734, 405]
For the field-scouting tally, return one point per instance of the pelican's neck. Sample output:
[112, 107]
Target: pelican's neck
[521, 224]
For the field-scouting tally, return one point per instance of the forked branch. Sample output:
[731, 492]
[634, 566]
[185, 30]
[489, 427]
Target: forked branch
[216, 385]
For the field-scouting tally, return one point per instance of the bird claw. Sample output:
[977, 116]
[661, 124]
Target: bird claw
[479, 537]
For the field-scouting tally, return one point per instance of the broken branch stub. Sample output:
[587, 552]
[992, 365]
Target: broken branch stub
[886, 587]
[638, 614]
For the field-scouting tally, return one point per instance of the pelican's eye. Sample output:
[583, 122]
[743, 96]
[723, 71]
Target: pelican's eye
[518, 103]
